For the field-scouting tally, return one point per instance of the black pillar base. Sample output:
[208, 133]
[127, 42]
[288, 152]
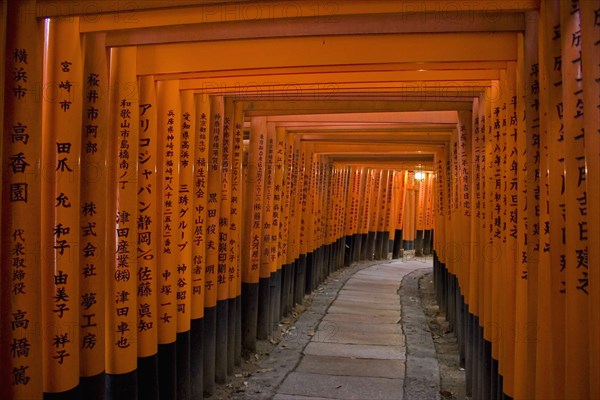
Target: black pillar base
[309, 273]
[299, 281]
[249, 315]
[419, 243]
[371, 236]
[93, 387]
[263, 323]
[275, 300]
[210, 345]
[221, 341]
[396, 252]
[197, 359]
[118, 387]
[427, 244]
[231, 329]
[364, 240]
[238, 331]
[147, 371]
[167, 370]
[184, 389]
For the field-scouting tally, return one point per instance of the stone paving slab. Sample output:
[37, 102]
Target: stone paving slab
[377, 319]
[291, 397]
[368, 301]
[362, 310]
[376, 352]
[342, 387]
[361, 294]
[367, 327]
[371, 288]
[356, 337]
[330, 365]
[330, 332]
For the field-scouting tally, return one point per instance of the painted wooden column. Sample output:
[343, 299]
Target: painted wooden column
[409, 214]
[236, 227]
[148, 223]
[577, 322]
[530, 207]
[365, 212]
[511, 184]
[373, 209]
[309, 219]
[303, 167]
[61, 134]
[286, 218]
[399, 217]
[276, 242]
[472, 297]
[317, 219]
[352, 214]
[169, 145]
[264, 323]
[184, 242]
[21, 344]
[332, 189]
[294, 245]
[121, 302]
[421, 196]
[428, 234]
[211, 283]
[540, 303]
[93, 215]
[489, 251]
[229, 252]
[393, 211]
[349, 214]
[21, 149]
[381, 205]
[223, 242]
[552, 101]
[201, 157]
[253, 221]
[590, 45]
[306, 233]
[497, 141]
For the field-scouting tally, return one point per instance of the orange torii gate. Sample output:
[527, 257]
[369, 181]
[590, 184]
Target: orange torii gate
[122, 179]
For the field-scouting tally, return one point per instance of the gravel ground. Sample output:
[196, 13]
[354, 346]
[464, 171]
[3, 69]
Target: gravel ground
[452, 385]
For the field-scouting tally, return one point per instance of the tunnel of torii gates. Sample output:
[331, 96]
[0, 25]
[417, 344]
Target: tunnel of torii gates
[176, 177]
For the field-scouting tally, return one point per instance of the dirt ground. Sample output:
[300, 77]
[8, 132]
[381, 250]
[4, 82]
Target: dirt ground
[452, 385]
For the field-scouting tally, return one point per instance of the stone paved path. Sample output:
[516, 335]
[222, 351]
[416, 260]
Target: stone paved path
[349, 344]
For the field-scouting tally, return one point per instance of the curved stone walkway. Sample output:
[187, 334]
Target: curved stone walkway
[351, 344]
